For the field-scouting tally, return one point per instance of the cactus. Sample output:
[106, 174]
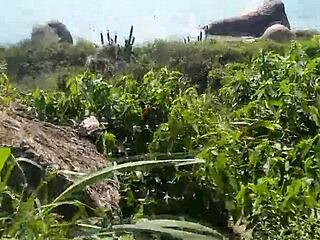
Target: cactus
[115, 38]
[128, 45]
[187, 40]
[131, 38]
[101, 39]
[114, 50]
[129, 42]
[108, 37]
[200, 37]
[111, 41]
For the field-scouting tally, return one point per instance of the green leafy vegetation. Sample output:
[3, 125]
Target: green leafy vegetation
[29, 217]
[32, 64]
[249, 111]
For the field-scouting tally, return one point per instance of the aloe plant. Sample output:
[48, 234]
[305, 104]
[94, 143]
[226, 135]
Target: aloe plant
[171, 228]
[109, 171]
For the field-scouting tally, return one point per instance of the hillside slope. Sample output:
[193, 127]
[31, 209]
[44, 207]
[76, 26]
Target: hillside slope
[59, 148]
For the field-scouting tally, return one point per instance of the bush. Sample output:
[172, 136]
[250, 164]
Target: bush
[30, 64]
[33, 64]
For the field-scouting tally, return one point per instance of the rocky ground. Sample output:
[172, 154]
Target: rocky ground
[58, 148]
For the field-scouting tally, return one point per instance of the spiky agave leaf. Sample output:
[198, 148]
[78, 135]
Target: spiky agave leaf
[107, 172]
[171, 228]
[167, 223]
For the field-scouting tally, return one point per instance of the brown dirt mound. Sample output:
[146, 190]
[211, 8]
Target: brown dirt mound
[56, 147]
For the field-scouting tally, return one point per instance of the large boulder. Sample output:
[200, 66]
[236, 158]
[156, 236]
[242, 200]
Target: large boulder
[53, 31]
[61, 30]
[44, 33]
[278, 33]
[251, 24]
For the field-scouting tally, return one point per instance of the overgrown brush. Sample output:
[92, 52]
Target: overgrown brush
[258, 134]
[131, 110]
[46, 65]
[262, 158]
[30, 217]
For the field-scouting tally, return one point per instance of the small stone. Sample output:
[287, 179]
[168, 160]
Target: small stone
[89, 126]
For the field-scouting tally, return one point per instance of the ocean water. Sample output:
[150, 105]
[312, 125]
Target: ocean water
[152, 18]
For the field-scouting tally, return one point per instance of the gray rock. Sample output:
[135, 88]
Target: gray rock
[44, 33]
[53, 31]
[89, 126]
[251, 24]
[278, 33]
[62, 31]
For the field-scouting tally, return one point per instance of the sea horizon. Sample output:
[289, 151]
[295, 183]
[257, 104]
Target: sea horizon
[151, 19]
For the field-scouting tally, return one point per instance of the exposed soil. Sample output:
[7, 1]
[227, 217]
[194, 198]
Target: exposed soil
[55, 147]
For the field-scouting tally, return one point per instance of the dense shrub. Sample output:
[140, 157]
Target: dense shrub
[46, 64]
[31, 64]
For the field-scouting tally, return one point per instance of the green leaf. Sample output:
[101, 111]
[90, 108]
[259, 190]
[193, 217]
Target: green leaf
[171, 228]
[266, 124]
[254, 157]
[107, 172]
[36, 93]
[4, 155]
[221, 161]
[73, 88]
[182, 225]
[48, 208]
[315, 115]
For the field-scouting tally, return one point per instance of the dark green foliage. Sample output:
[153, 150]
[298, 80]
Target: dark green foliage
[33, 64]
[112, 59]
[20, 217]
[195, 61]
[261, 146]
[128, 45]
[45, 65]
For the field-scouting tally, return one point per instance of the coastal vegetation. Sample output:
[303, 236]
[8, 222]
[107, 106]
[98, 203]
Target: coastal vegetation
[207, 139]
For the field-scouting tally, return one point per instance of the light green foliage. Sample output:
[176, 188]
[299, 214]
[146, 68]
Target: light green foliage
[257, 131]
[21, 216]
[27, 217]
[132, 111]
[4, 155]
[264, 161]
[7, 91]
[191, 116]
